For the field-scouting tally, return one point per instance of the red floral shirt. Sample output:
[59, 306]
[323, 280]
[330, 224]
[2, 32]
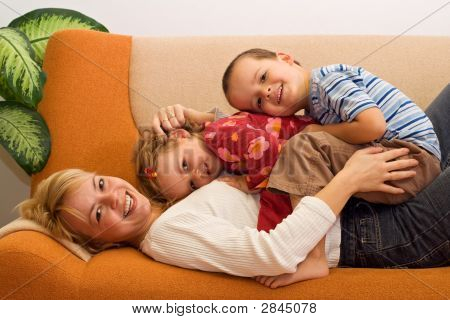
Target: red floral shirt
[249, 144]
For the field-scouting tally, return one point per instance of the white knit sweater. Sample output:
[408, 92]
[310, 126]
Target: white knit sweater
[214, 229]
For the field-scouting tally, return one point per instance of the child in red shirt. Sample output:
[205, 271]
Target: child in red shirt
[248, 145]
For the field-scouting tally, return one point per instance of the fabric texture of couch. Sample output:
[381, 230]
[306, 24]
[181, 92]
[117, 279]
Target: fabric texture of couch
[100, 87]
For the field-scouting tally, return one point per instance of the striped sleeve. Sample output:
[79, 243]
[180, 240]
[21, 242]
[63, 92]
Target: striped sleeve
[218, 114]
[344, 96]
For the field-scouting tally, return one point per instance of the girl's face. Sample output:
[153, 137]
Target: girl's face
[277, 87]
[187, 166]
[112, 210]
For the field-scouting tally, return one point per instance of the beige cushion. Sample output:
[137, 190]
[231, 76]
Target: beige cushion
[166, 71]
[21, 224]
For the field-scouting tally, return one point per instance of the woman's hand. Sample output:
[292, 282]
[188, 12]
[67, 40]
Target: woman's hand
[368, 169]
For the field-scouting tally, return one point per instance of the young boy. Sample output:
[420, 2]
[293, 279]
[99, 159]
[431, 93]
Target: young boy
[351, 104]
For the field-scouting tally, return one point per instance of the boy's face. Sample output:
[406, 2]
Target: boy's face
[276, 87]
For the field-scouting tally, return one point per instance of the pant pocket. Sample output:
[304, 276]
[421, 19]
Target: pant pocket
[369, 229]
[369, 243]
[368, 236]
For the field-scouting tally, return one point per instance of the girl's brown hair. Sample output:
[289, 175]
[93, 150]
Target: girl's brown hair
[148, 148]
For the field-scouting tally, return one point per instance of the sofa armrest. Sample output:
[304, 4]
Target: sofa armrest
[86, 104]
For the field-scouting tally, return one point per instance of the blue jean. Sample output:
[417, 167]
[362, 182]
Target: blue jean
[414, 234]
[439, 114]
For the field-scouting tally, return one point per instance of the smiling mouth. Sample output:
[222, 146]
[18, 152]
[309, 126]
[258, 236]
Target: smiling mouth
[130, 204]
[279, 93]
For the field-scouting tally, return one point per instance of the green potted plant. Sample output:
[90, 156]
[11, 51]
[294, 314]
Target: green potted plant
[23, 131]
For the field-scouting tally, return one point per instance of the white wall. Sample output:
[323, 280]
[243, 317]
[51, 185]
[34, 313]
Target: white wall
[225, 17]
[229, 17]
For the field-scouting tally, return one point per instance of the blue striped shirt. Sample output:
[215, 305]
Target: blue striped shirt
[340, 92]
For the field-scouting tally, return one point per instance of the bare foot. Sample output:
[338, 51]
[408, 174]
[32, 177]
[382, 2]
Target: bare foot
[281, 280]
[307, 270]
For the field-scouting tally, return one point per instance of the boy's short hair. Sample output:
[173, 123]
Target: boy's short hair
[255, 53]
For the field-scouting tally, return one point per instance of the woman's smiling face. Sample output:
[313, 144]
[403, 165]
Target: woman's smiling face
[112, 211]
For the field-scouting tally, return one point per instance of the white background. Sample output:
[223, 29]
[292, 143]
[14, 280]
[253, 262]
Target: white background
[230, 17]
[324, 309]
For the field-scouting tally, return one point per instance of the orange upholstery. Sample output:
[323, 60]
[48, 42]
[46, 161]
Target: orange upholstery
[86, 105]
[32, 266]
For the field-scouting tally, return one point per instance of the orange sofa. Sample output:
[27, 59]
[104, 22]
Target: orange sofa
[102, 86]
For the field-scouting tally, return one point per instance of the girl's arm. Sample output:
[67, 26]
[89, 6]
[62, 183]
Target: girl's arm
[175, 116]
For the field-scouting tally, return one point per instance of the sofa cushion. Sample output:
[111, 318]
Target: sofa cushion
[188, 70]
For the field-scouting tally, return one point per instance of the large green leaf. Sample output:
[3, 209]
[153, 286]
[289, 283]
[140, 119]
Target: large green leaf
[5, 92]
[18, 71]
[39, 25]
[25, 135]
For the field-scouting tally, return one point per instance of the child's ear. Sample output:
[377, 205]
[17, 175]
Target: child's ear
[286, 57]
[179, 133]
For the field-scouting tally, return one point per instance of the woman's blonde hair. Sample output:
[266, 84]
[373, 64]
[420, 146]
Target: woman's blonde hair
[46, 204]
[148, 148]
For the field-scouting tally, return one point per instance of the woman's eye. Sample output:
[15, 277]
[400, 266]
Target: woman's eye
[98, 214]
[101, 183]
[263, 77]
[184, 165]
[193, 187]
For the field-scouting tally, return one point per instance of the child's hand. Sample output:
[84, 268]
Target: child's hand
[312, 128]
[199, 117]
[174, 117]
[169, 118]
[237, 182]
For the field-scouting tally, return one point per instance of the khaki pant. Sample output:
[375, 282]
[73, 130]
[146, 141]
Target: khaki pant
[309, 161]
